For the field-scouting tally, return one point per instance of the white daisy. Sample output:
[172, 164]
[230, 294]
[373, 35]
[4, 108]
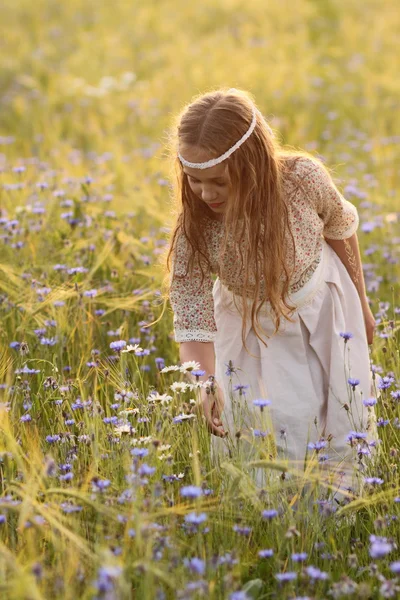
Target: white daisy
[180, 386]
[170, 368]
[190, 365]
[135, 348]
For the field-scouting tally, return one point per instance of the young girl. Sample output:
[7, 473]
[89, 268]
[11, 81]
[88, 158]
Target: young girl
[287, 319]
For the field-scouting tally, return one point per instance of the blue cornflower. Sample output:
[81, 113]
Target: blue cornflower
[317, 446]
[242, 529]
[373, 480]
[240, 388]
[160, 362]
[258, 433]
[140, 452]
[380, 546]
[67, 477]
[369, 401]
[395, 395]
[90, 293]
[353, 382]
[100, 484]
[145, 469]
[240, 595]
[25, 418]
[346, 335]
[196, 565]
[195, 518]
[261, 402]
[198, 373]
[48, 341]
[299, 557]
[356, 435]
[53, 438]
[316, 573]
[395, 567]
[288, 576]
[15, 345]
[385, 382]
[191, 491]
[118, 345]
[381, 422]
[267, 553]
[230, 368]
[269, 513]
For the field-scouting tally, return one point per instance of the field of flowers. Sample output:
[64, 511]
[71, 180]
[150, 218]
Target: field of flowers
[108, 487]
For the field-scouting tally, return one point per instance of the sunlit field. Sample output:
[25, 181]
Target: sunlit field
[108, 486]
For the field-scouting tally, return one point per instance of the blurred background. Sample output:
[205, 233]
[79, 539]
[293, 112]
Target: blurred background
[91, 87]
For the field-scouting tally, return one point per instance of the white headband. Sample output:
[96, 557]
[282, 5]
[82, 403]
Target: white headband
[215, 161]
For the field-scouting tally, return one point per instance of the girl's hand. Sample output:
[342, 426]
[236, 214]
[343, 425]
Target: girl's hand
[370, 324]
[211, 406]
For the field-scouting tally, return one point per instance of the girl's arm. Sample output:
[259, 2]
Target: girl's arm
[349, 253]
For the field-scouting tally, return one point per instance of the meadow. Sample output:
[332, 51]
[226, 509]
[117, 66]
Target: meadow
[108, 487]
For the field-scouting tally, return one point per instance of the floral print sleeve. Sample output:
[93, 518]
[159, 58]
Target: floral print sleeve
[340, 217]
[191, 301]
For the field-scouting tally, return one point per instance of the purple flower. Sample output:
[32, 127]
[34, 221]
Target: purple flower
[385, 382]
[299, 557]
[317, 446]
[242, 529]
[373, 480]
[315, 573]
[369, 401]
[269, 514]
[380, 546]
[195, 519]
[25, 418]
[240, 388]
[395, 395]
[53, 438]
[196, 565]
[145, 469]
[261, 402]
[356, 435]
[353, 382]
[191, 491]
[288, 576]
[346, 335]
[118, 345]
[140, 452]
[266, 553]
[395, 567]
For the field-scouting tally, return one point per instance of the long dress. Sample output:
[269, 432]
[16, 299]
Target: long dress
[303, 372]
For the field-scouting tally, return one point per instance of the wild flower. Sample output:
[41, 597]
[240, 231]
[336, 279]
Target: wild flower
[170, 368]
[261, 402]
[373, 480]
[385, 382]
[369, 401]
[346, 335]
[317, 446]
[299, 557]
[269, 514]
[353, 382]
[118, 345]
[191, 491]
[316, 574]
[380, 546]
[241, 389]
[196, 565]
[183, 417]
[194, 518]
[267, 553]
[242, 529]
[189, 366]
[287, 576]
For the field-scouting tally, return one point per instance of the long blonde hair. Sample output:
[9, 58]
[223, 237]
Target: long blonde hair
[256, 214]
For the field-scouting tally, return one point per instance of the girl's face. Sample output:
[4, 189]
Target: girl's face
[212, 185]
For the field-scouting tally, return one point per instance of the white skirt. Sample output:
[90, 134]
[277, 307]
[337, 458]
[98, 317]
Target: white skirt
[303, 371]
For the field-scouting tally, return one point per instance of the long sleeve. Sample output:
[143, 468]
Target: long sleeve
[340, 217]
[192, 303]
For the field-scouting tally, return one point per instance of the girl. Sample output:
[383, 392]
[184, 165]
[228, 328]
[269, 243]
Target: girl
[287, 314]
